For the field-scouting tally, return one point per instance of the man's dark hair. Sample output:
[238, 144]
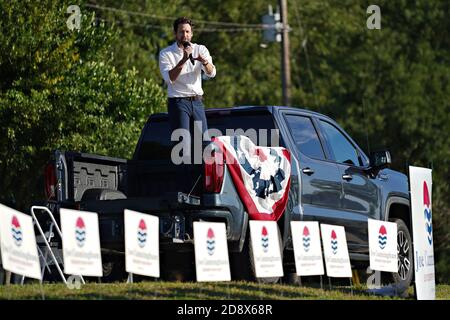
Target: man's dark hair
[182, 20]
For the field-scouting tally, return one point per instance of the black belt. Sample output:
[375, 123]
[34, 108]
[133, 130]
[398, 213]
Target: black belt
[193, 98]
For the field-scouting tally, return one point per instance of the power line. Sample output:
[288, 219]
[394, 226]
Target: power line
[153, 26]
[206, 22]
[130, 24]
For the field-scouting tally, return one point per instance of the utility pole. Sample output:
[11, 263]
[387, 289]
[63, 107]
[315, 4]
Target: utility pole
[285, 56]
[277, 30]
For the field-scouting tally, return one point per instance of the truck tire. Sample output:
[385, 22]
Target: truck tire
[178, 266]
[113, 268]
[404, 276]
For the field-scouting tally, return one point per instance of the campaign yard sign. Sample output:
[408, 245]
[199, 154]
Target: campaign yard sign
[211, 251]
[266, 249]
[420, 181]
[383, 245]
[81, 243]
[337, 260]
[18, 243]
[141, 243]
[307, 249]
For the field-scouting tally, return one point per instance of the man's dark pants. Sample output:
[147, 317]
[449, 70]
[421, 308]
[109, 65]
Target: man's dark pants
[182, 114]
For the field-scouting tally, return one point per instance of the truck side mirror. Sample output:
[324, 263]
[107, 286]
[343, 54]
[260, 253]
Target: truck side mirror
[380, 159]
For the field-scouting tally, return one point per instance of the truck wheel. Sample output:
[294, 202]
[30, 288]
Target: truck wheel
[405, 273]
[178, 266]
[113, 270]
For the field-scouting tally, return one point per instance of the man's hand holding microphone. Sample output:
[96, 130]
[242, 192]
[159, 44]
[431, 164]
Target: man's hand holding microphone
[187, 55]
[188, 52]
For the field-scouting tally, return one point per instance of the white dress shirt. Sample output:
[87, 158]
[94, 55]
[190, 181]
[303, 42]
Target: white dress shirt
[189, 82]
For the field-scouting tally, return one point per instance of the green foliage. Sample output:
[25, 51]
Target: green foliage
[59, 89]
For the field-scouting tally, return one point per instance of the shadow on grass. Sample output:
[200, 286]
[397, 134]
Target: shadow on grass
[222, 291]
[187, 290]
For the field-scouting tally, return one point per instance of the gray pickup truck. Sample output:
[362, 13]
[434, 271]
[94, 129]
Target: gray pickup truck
[332, 181]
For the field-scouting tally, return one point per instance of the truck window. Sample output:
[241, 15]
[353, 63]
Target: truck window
[342, 148]
[305, 136]
[250, 125]
[156, 144]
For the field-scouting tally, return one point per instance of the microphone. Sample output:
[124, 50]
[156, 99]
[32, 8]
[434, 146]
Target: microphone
[187, 44]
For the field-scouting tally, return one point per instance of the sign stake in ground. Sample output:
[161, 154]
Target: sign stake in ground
[130, 278]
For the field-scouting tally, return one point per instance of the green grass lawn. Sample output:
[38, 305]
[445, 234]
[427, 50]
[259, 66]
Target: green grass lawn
[193, 290]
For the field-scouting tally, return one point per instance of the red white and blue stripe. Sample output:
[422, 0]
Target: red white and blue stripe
[261, 175]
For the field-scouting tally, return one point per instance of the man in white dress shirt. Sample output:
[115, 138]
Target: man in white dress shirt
[181, 65]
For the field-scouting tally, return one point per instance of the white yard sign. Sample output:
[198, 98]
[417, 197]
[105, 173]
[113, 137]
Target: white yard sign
[307, 249]
[81, 243]
[383, 245]
[266, 249]
[337, 260]
[421, 183]
[18, 243]
[141, 243]
[211, 252]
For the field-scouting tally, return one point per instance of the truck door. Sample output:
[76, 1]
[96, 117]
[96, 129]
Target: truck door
[321, 185]
[361, 196]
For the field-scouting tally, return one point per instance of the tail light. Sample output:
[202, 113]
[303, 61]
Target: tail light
[213, 172]
[50, 181]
